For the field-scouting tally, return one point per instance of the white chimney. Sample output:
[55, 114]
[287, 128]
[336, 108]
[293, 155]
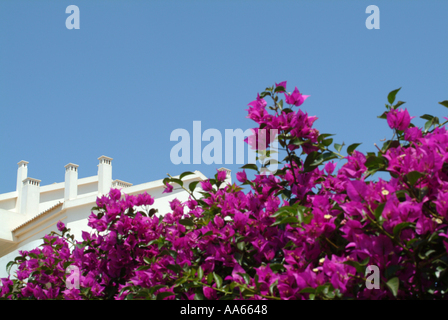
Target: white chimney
[71, 181]
[22, 174]
[30, 197]
[104, 175]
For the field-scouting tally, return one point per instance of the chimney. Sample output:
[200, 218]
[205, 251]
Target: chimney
[104, 175]
[30, 198]
[71, 181]
[22, 173]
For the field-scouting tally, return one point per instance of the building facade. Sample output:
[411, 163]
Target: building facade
[32, 211]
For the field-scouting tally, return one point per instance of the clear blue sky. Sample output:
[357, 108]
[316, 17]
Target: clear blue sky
[137, 70]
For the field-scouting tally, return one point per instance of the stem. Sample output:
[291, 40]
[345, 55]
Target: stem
[386, 233]
[336, 153]
[54, 232]
[190, 193]
[292, 166]
[328, 240]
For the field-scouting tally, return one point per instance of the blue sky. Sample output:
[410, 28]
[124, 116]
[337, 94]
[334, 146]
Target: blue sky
[137, 70]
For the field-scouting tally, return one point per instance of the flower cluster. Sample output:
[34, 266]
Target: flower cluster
[305, 232]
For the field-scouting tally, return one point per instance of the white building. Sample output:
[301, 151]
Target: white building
[32, 211]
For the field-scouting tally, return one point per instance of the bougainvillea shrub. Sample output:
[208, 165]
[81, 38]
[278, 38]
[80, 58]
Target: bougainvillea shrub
[307, 231]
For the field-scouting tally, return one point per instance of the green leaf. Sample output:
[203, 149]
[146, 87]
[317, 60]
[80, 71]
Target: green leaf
[250, 166]
[301, 210]
[21, 259]
[156, 287]
[145, 267]
[392, 270]
[192, 185]
[352, 147]
[285, 221]
[199, 296]
[323, 136]
[298, 142]
[272, 286]
[444, 103]
[264, 94]
[308, 290]
[307, 219]
[186, 222]
[360, 267]
[163, 295]
[238, 257]
[399, 103]
[245, 276]
[383, 116]
[393, 285]
[374, 162]
[391, 95]
[9, 266]
[271, 162]
[169, 252]
[276, 266]
[210, 279]
[218, 280]
[338, 147]
[178, 181]
[429, 252]
[323, 157]
[310, 159]
[280, 104]
[279, 88]
[427, 117]
[241, 245]
[185, 174]
[200, 273]
[428, 124]
[413, 177]
[401, 226]
[287, 210]
[327, 142]
[379, 210]
[174, 267]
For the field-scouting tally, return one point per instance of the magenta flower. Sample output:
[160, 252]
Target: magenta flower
[145, 199]
[210, 293]
[329, 167]
[338, 209]
[259, 103]
[168, 189]
[115, 194]
[399, 119]
[296, 98]
[241, 176]
[412, 134]
[206, 185]
[61, 226]
[222, 175]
